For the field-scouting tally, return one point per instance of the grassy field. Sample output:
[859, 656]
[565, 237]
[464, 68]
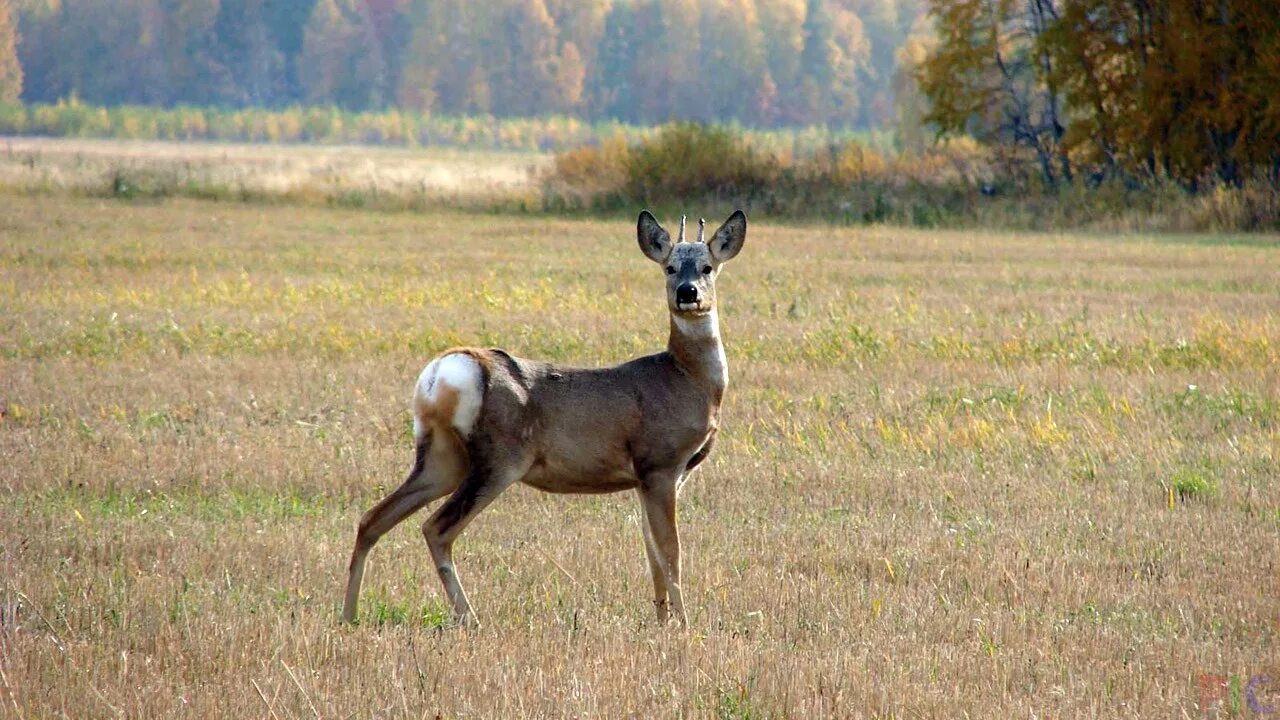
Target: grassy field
[340, 175]
[959, 474]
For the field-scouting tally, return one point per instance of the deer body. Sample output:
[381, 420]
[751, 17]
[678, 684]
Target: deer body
[484, 419]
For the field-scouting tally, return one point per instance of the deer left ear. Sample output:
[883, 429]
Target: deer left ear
[728, 240]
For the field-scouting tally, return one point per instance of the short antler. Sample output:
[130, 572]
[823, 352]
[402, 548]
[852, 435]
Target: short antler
[681, 229]
[702, 230]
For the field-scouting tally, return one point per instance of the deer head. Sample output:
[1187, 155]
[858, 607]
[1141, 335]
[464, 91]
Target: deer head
[691, 267]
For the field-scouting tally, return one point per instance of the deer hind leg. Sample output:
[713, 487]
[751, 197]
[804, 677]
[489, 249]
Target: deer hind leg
[483, 484]
[438, 469]
[663, 539]
[446, 403]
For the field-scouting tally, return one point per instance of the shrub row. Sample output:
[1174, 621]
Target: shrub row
[327, 125]
[957, 183]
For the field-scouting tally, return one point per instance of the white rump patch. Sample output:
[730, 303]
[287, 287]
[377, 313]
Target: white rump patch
[461, 374]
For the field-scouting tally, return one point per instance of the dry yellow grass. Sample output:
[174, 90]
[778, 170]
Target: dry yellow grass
[960, 474]
[343, 175]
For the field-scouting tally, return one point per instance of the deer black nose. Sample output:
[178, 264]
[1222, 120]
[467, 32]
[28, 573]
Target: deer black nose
[686, 293]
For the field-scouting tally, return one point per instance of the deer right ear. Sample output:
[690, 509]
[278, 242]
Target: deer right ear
[655, 242]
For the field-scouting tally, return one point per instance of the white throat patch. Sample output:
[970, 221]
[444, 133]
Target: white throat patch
[713, 365]
[699, 326]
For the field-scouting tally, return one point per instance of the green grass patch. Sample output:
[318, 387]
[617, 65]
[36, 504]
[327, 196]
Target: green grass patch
[381, 611]
[1193, 484]
[211, 506]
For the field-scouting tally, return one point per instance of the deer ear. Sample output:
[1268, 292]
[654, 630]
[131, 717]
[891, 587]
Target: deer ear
[655, 242]
[729, 238]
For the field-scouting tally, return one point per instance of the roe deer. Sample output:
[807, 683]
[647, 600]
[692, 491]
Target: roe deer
[484, 419]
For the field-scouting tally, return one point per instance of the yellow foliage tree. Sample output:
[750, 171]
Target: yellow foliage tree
[10, 68]
[1182, 89]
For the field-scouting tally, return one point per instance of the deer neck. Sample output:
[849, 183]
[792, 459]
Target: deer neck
[695, 344]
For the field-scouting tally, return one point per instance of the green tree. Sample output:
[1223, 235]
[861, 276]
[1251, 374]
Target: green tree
[10, 68]
[246, 48]
[445, 63]
[911, 107]
[992, 76]
[835, 50]
[37, 26]
[783, 38]
[422, 56]
[341, 60]
[1182, 88]
[818, 59]
[285, 22]
[608, 83]
[388, 21]
[189, 51]
[323, 55]
[676, 57]
[107, 52]
[569, 81]
[650, 82]
[582, 24]
[522, 62]
[731, 63]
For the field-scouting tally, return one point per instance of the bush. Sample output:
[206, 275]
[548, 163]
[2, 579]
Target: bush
[593, 175]
[687, 160]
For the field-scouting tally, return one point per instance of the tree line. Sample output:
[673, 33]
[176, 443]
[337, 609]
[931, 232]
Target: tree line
[1059, 92]
[762, 63]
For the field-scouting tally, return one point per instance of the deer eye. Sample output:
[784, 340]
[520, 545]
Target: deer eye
[706, 269]
[671, 270]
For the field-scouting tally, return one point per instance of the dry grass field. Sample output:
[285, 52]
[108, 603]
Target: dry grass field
[960, 474]
[298, 174]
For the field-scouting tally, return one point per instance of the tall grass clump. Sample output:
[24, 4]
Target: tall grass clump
[1253, 207]
[1191, 483]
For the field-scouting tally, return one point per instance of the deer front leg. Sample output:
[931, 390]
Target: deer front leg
[480, 488]
[658, 498]
[655, 570]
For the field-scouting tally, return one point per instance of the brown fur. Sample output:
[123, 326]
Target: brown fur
[642, 425]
